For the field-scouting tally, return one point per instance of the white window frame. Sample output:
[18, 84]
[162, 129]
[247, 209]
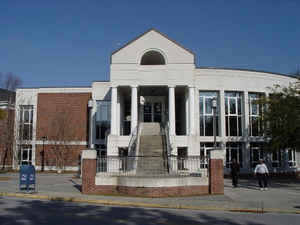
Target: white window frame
[229, 149]
[28, 149]
[255, 148]
[292, 161]
[204, 114]
[99, 120]
[259, 111]
[22, 123]
[228, 114]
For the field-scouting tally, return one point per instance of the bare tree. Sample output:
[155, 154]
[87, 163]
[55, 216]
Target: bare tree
[61, 134]
[8, 84]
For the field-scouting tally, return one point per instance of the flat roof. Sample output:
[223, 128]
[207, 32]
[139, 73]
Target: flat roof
[249, 70]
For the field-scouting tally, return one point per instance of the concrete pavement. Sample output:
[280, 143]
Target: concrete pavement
[283, 195]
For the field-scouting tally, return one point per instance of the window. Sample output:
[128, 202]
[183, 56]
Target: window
[25, 122]
[256, 153]
[205, 148]
[102, 119]
[276, 159]
[206, 113]
[292, 157]
[233, 113]
[234, 151]
[255, 113]
[25, 155]
[153, 58]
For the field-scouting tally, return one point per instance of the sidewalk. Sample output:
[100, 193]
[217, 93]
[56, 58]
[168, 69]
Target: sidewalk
[282, 196]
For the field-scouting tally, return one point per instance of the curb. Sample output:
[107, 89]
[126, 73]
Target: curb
[145, 205]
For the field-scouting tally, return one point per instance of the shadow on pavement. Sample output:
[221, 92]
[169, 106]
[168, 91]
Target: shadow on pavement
[38, 212]
[77, 186]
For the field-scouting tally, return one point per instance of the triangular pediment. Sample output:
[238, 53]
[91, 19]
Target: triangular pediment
[152, 40]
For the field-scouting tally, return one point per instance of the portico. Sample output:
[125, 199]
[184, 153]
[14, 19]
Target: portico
[164, 104]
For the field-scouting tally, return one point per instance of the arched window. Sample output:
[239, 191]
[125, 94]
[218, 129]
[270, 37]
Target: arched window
[153, 58]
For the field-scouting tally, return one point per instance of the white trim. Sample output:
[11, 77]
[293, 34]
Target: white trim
[40, 142]
[58, 89]
[54, 168]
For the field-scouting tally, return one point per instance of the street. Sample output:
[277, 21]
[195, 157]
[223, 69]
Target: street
[36, 212]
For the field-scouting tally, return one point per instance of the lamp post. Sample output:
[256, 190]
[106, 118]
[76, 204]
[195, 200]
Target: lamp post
[214, 107]
[90, 107]
[44, 138]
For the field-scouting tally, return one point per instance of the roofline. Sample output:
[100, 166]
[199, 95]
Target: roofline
[103, 81]
[54, 87]
[249, 70]
[151, 29]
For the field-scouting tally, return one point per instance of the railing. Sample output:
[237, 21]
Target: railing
[133, 143]
[151, 166]
[165, 131]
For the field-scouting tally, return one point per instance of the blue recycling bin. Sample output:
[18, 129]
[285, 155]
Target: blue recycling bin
[27, 178]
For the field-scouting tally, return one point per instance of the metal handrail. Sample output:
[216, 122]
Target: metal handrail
[165, 129]
[167, 143]
[132, 146]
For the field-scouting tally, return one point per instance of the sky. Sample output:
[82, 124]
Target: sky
[69, 42]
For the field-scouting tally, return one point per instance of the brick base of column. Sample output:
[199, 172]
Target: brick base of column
[216, 176]
[88, 175]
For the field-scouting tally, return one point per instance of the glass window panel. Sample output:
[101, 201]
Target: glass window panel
[239, 106]
[208, 106]
[25, 154]
[103, 111]
[233, 125]
[232, 105]
[227, 126]
[254, 110]
[26, 116]
[201, 126]
[208, 126]
[240, 130]
[226, 106]
[201, 105]
[157, 107]
[254, 126]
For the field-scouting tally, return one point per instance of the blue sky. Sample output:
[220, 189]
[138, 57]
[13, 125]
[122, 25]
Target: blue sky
[69, 42]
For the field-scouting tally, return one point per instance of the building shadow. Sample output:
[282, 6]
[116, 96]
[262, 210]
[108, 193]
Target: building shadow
[36, 212]
[76, 185]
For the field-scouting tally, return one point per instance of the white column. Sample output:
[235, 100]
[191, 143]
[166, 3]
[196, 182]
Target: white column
[91, 122]
[134, 108]
[197, 113]
[246, 131]
[172, 109]
[222, 115]
[114, 103]
[192, 110]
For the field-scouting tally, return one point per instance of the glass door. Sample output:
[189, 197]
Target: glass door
[148, 112]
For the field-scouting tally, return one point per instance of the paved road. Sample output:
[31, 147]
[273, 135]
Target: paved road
[36, 212]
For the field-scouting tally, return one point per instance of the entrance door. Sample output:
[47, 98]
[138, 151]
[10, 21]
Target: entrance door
[153, 109]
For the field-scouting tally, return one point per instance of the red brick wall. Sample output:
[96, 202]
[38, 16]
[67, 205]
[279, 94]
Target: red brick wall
[62, 116]
[88, 176]
[69, 154]
[7, 138]
[216, 176]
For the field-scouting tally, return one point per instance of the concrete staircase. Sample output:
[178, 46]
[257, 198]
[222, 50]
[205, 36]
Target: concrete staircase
[151, 150]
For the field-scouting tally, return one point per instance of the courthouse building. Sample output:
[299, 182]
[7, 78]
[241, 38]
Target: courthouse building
[153, 79]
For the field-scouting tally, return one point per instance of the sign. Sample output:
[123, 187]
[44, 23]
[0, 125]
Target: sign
[27, 178]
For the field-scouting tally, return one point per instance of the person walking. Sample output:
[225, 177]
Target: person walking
[262, 172]
[235, 169]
